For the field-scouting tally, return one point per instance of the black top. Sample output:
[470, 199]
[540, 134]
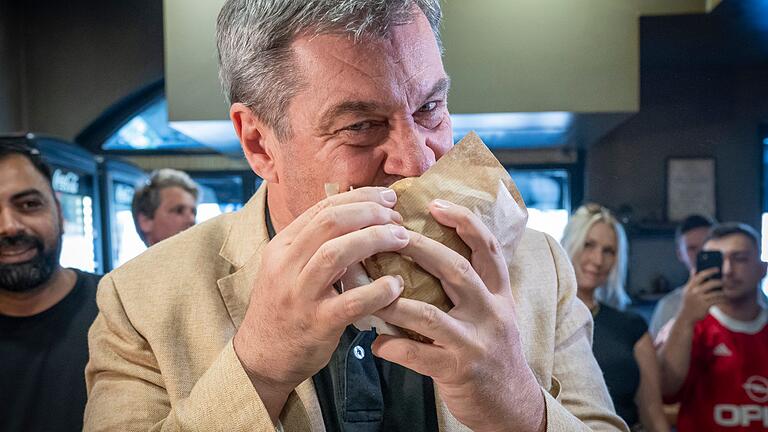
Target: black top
[360, 392]
[42, 363]
[616, 334]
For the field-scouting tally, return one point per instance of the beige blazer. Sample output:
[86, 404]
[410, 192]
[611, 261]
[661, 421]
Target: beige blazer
[161, 355]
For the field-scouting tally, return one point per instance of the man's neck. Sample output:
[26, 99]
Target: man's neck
[42, 298]
[279, 214]
[746, 309]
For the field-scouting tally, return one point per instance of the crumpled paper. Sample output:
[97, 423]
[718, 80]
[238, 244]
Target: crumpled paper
[468, 175]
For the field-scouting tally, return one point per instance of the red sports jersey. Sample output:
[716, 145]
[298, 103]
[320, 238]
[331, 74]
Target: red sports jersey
[726, 388]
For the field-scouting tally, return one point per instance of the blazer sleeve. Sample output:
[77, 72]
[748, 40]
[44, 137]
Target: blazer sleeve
[578, 398]
[126, 391]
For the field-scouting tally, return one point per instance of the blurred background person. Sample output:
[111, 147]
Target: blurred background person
[597, 246]
[689, 238]
[45, 309]
[165, 206]
[714, 353]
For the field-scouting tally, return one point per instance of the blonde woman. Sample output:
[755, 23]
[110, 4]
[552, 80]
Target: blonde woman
[597, 245]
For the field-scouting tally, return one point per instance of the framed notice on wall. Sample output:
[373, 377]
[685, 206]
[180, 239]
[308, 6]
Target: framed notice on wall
[690, 187]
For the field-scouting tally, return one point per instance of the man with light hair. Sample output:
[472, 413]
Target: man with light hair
[165, 206]
[235, 324]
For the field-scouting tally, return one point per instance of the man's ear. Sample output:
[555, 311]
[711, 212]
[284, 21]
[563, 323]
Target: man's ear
[58, 210]
[256, 139]
[145, 224]
[681, 256]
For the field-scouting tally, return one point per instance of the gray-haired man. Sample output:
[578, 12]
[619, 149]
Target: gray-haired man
[165, 206]
[248, 332]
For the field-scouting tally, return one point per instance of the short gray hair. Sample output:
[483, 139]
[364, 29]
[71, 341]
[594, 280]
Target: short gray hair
[254, 39]
[146, 199]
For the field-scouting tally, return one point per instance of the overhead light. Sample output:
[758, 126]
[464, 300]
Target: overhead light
[555, 121]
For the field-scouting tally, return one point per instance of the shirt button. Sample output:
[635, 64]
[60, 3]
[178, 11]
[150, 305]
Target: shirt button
[359, 352]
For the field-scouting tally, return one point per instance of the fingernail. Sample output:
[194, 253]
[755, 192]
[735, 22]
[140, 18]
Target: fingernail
[441, 204]
[389, 196]
[397, 218]
[398, 232]
[401, 282]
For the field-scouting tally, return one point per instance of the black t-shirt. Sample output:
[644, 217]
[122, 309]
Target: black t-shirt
[42, 363]
[616, 334]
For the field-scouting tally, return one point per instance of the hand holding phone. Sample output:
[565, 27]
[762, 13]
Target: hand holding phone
[710, 259]
[703, 289]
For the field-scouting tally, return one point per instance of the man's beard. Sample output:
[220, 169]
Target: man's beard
[28, 275]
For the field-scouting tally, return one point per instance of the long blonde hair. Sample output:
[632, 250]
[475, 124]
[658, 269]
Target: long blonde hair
[612, 292]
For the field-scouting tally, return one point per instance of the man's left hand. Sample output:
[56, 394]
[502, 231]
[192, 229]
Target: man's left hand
[476, 359]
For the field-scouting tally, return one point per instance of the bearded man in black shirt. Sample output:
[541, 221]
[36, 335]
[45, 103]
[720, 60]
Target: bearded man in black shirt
[45, 310]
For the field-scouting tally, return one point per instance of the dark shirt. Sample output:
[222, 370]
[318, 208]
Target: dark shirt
[616, 334]
[360, 392]
[42, 363]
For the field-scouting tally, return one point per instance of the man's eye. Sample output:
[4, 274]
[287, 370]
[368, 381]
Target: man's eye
[428, 107]
[359, 127]
[31, 205]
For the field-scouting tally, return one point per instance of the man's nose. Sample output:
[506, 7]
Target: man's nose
[726, 268]
[407, 153]
[190, 217]
[10, 224]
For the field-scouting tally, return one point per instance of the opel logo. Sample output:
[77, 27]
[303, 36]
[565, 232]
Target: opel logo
[757, 388]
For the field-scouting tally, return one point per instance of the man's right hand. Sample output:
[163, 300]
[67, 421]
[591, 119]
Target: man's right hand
[295, 317]
[699, 294]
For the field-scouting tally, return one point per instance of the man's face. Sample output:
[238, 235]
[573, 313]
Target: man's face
[30, 226]
[176, 213]
[742, 268]
[689, 245]
[370, 113]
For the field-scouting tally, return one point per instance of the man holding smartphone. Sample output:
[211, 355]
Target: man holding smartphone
[714, 353]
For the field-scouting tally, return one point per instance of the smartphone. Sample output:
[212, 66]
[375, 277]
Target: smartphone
[709, 259]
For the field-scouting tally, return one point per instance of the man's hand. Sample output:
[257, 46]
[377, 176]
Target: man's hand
[674, 353]
[699, 294]
[476, 359]
[296, 317]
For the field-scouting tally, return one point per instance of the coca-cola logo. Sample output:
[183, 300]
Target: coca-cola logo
[66, 181]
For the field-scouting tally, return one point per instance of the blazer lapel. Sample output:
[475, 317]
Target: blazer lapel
[242, 248]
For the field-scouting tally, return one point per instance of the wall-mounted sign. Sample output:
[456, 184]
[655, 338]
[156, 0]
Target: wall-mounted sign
[66, 181]
[690, 187]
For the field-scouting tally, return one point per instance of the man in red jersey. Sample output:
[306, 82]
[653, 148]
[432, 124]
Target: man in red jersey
[714, 355]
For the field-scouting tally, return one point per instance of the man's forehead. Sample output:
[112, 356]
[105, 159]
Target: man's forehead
[732, 243]
[17, 174]
[697, 235]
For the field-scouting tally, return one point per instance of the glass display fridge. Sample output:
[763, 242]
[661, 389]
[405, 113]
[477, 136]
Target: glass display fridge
[118, 182]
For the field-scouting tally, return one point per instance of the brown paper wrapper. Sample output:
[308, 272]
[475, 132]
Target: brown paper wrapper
[468, 175]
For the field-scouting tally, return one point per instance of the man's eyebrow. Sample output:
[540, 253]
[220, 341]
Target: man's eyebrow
[368, 107]
[27, 193]
[346, 107]
[441, 87]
